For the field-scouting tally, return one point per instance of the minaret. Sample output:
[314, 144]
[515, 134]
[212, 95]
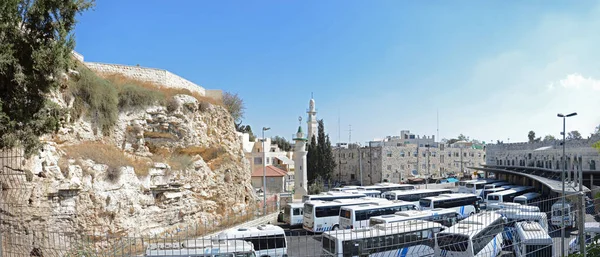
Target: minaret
[300, 178]
[312, 119]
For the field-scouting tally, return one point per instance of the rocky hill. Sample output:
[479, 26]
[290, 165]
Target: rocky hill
[150, 162]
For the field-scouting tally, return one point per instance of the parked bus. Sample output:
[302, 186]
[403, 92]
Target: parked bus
[345, 188]
[569, 214]
[496, 184]
[414, 195]
[512, 206]
[205, 248]
[514, 216]
[446, 217]
[357, 216]
[368, 193]
[531, 240]
[591, 230]
[463, 204]
[268, 240]
[293, 213]
[321, 216]
[478, 235]
[475, 188]
[507, 196]
[408, 239]
[330, 196]
[385, 187]
[462, 185]
[488, 191]
[528, 198]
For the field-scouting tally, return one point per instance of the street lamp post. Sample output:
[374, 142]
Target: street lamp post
[264, 171]
[562, 228]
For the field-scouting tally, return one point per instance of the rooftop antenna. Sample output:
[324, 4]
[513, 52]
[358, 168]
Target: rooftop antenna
[438, 124]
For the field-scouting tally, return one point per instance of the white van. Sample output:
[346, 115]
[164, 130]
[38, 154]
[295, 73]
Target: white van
[293, 213]
[268, 240]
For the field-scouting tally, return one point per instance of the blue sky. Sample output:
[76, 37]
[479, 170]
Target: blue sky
[493, 69]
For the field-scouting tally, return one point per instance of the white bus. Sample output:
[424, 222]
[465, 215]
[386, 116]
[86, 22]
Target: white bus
[357, 216]
[531, 240]
[446, 217]
[368, 193]
[591, 230]
[321, 216]
[330, 196]
[268, 240]
[496, 184]
[478, 235]
[407, 239]
[569, 212]
[384, 187]
[345, 188]
[514, 216]
[528, 198]
[204, 248]
[462, 185]
[293, 213]
[507, 196]
[488, 191]
[475, 187]
[463, 204]
[414, 195]
[512, 206]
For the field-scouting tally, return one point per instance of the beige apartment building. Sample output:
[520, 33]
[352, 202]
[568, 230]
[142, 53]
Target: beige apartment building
[396, 159]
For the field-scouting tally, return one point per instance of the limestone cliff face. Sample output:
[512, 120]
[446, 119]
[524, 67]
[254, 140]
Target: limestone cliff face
[67, 191]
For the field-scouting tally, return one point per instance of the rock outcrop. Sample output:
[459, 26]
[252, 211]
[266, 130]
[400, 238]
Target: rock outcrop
[67, 192]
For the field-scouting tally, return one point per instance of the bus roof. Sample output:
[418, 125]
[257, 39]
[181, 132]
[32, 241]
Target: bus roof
[530, 195]
[412, 214]
[593, 227]
[382, 229]
[532, 233]
[473, 224]
[510, 191]
[295, 205]
[449, 196]
[416, 191]
[368, 206]
[198, 247]
[496, 189]
[339, 202]
[261, 230]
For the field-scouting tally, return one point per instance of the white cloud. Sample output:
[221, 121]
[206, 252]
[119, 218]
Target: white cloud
[577, 81]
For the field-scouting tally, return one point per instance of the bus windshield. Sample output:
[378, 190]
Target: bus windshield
[470, 185]
[425, 203]
[494, 197]
[345, 214]
[452, 242]
[308, 208]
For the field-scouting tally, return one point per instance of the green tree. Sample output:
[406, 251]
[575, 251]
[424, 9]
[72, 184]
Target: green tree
[574, 135]
[36, 41]
[452, 141]
[531, 136]
[282, 143]
[549, 138]
[312, 161]
[234, 105]
[597, 132]
[462, 137]
[328, 163]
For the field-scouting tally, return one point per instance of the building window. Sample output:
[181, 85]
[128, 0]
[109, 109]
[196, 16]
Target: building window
[388, 153]
[257, 160]
[415, 154]
[478, 154]
[449, 154]
[423, 166]
[389, 167]
[402, 153]
[464, 154]
[423, 154]
[402, 166]
[433, 153]
[442, 158]
[433, 166]
[442, 147]
[421, 145]
[352, 177]
[592, 165]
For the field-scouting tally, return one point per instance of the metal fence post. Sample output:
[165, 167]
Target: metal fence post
[581, 210]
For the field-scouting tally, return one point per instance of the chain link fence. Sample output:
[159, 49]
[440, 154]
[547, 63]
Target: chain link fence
[509, 231]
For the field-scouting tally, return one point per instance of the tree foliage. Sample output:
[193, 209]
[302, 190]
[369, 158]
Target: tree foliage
[462, 137]
[574, 135]
[36, 41]
[320, 161]
[531, 136]
[235, 105]
[549, 138]
[245, 129]
[282, 143]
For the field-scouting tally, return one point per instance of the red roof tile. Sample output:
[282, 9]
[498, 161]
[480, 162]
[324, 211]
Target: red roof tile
[272, 171]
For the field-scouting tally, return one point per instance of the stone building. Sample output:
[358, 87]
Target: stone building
[545, 154]
[396, 159]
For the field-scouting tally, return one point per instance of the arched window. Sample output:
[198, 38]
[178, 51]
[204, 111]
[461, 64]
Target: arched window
[592, 165]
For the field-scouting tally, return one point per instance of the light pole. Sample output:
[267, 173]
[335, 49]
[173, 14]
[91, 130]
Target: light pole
[562, 228]
[264, 171]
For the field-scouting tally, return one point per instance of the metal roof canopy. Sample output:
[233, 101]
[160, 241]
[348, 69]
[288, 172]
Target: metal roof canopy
[555, 186]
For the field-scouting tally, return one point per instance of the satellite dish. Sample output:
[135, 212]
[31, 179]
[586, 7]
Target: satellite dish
[415, 173]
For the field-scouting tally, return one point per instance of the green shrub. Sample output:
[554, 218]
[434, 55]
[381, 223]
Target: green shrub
[96, 97]
[134, 96]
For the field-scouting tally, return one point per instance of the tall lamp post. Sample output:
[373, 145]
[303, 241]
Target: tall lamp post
[562, 228]
[264, 170]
